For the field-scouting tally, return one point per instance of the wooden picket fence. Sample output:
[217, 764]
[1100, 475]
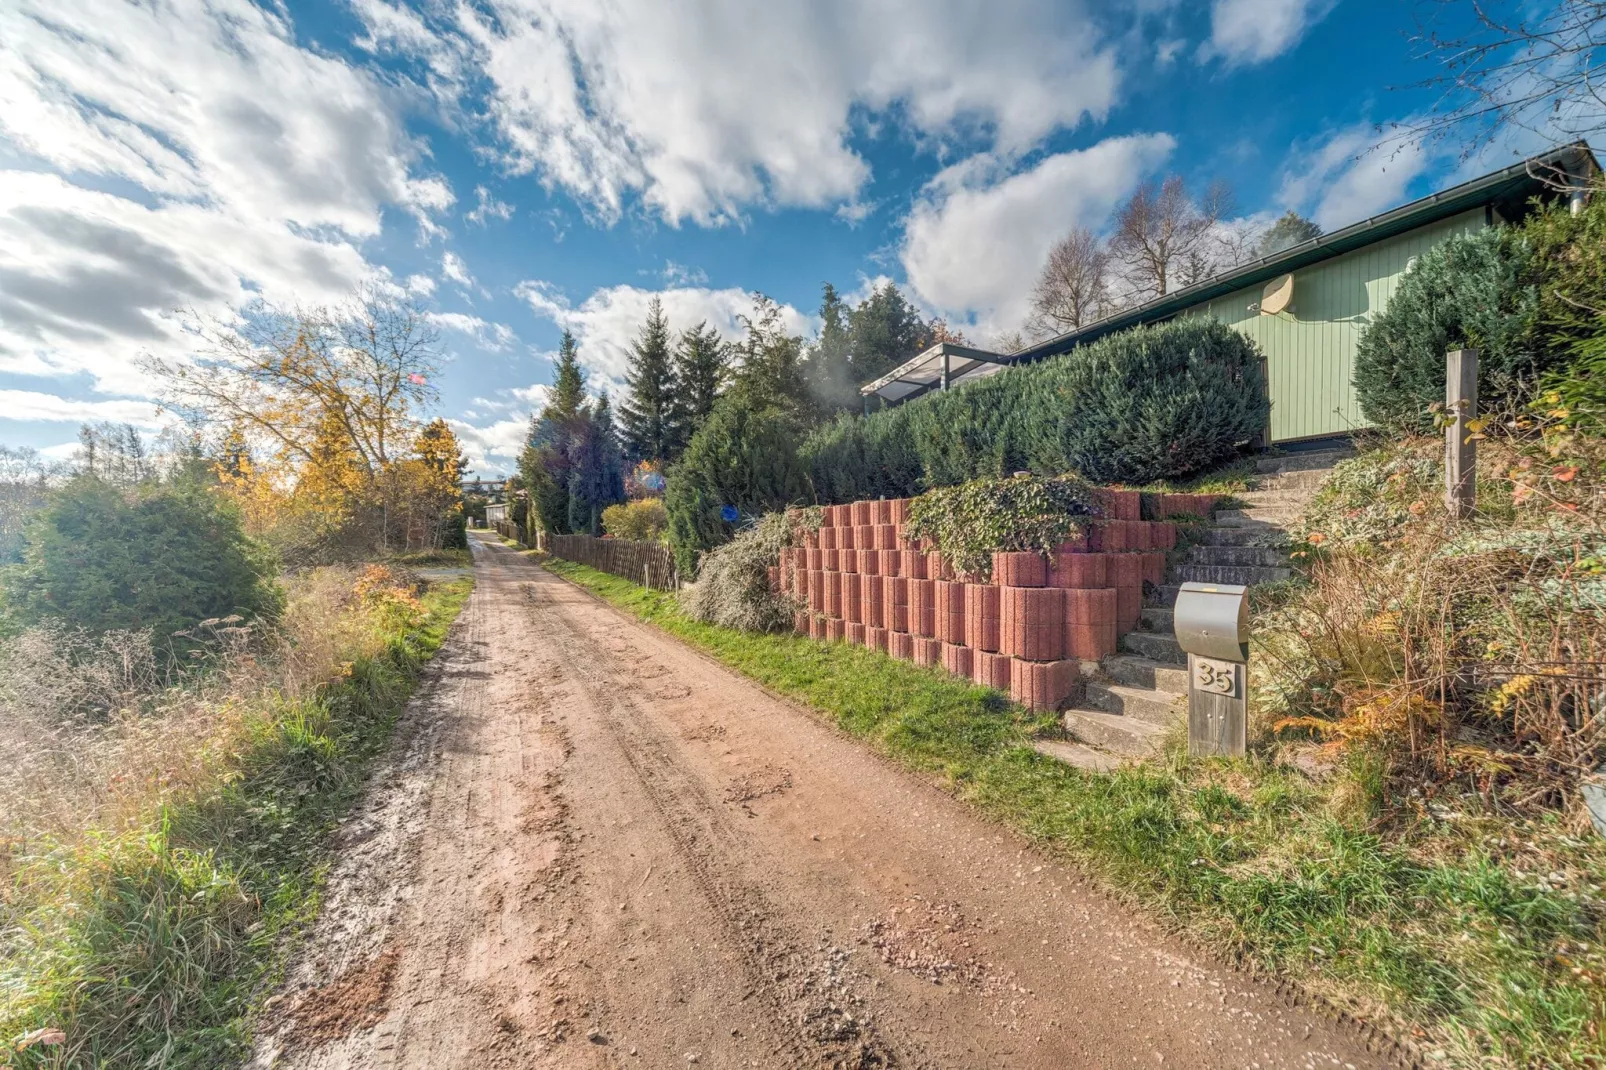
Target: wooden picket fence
[647, 563]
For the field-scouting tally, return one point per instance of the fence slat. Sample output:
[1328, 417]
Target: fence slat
[648, 563]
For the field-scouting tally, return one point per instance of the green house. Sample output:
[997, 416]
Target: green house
[1305, 306]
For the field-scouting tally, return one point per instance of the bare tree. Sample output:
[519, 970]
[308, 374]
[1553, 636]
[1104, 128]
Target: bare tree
[1533, 67]
[1164, 236]
[1074, 288]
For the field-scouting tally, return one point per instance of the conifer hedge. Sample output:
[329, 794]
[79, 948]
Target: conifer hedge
[1150, 403]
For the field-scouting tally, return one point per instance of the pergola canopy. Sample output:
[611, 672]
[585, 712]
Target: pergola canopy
[944, 364]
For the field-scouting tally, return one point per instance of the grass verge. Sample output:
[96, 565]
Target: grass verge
[154, 947]
[1477, 936]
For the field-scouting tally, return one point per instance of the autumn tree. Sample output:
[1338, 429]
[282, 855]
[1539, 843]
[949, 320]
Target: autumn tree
[1074, 288]
[1164, 237]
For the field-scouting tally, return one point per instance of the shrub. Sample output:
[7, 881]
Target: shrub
[971, 521]
[161, 557]
[1146, 404]
[643, 520]
[740, 459]
[733, 590]
[1475, 290]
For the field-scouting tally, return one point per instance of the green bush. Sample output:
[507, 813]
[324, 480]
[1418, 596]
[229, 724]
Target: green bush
[160, 557]
[972, 521]
[643, 520]
[1146, 404]
[1475, 290]
[741, 459]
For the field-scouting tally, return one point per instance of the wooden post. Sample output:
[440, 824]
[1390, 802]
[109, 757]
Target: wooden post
[1460, 451]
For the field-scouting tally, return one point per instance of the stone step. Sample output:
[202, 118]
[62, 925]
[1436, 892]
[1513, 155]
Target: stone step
[1274, 499]
[1264, 519]
[1237, 555]
[1133, 671]
[1245, 574]
[1305, 459]
[1303, 480]
[1155, 619]
[1164, 595]
[1265, 535]
[1114, 733]
[1156, 645]
[1078, 754]
[1143, 703]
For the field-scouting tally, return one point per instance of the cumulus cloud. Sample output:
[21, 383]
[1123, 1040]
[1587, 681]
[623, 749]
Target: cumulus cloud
[33, 405]
[607, 322]
[613, 101]
[489, 208]
[492, 336]
[1346, 179]
[181, 154]
[1253, 31]
[493, 449]
[454, 270]
[978, 236]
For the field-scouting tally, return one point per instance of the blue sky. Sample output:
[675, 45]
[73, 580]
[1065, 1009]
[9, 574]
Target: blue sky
[521, 166]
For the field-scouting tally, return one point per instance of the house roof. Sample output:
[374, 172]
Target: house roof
[925, 370]
[1508, 189]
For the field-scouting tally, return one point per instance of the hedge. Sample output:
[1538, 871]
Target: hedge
[1146, 404]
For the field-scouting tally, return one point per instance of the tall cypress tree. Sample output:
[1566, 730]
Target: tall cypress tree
[702, 368]
[830, 358]
[647, 417]
[596, 472]
[545, 463]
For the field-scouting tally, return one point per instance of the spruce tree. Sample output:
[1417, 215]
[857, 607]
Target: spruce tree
[830, 358]
[596, 470]
[702, 367]
[647, 417]
[568, 382]
[544, 464]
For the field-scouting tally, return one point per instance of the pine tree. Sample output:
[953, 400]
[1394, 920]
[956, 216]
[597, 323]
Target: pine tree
[885, 330]
[702, 368]
[1290, 230]
[568, 382]
[770, 374]
[544, 464]
[647, 417]
[596, 469]
[830, 358]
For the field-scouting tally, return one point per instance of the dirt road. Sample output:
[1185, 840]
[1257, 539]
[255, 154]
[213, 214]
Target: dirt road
[592, 847]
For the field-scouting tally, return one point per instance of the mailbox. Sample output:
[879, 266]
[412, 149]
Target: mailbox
[1212, 626]
[1212, 620]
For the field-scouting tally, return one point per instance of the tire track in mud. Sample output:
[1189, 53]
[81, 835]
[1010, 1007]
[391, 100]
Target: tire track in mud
[817, 1002]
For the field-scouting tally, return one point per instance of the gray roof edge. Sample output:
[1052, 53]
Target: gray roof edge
[1424, 210]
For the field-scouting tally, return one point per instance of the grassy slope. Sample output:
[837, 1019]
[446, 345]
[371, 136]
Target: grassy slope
[1416, 928]
[156, 948]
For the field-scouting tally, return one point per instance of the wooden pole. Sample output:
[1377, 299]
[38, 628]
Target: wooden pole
[1460, 450]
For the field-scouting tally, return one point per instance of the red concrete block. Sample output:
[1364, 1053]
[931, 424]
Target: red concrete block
[897, 618]
[922, 594]
[1121, 504]
[864, 537]
[1164, 536]
[950, 615]
[1126, 570]
[1042, 685]
[831, 597]
[869, 562]
[1078, 571]
[852, 599]
[886, 536]
[849, 560]
[774, 575]
[983, 609]
[1137, 536]
[991, 670]
[831, 560]
[859, 514]
[1128, 607]
[958, 659]
[855, 633]
[922, 621]
[881, 511]
[812, 558]
[829, 537]
[845, 538]
[1089, 642]
[836, 629]
[1019, 570]
[800, 622]
[937, 567]
[901, 645]
[872, 598]
[816, 626]
[1090, 607]
[1077, 545]
[1032, 624]
[875, 638]
[912, 563]
[928, 651]
[891, 562]
[900, 510]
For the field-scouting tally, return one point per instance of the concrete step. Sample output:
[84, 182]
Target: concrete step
[1245, 574]
[1274, 499]
[1155, 619]
[1078, 754]
[1157, 645]
[1306, 459]
[1237, 555]
[1263, 519]
[1164, 596]
[1265, 535]
[1143, 703]
[1304, 481]
[1113, 733]
[1131, 670]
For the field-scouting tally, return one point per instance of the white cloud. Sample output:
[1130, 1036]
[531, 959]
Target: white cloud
[1253, 31]
[607, 322]
[492, 336]
[1346, 179]
[421, 285]
[687, 106]
[489, 207]
[201, 159]
[454, 270]
[32, 405]
[494, 448]
[680, 275]
[977, 238]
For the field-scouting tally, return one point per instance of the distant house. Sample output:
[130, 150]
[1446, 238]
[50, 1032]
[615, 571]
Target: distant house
[1304, 306]
[495, 514]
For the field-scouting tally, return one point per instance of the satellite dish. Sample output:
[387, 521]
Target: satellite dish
[1277, 295]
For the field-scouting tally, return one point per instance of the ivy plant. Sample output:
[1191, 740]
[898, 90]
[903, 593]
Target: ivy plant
[1023, 513]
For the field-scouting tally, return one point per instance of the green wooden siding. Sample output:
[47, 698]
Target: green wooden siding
[1310, 350]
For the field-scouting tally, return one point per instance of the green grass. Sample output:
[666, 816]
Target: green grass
[435, 559]
[155, 948]
[1452, 933]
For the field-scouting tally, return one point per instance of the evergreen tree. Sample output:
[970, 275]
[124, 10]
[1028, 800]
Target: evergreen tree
[544, 464]
[884, 331]
[702, 367]
[830, 358]
[568, 381]
[647, 417]
[596, 469]
[1290, 229]
[770, 375]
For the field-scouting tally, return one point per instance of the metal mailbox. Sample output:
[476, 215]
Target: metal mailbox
[1212, 620]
